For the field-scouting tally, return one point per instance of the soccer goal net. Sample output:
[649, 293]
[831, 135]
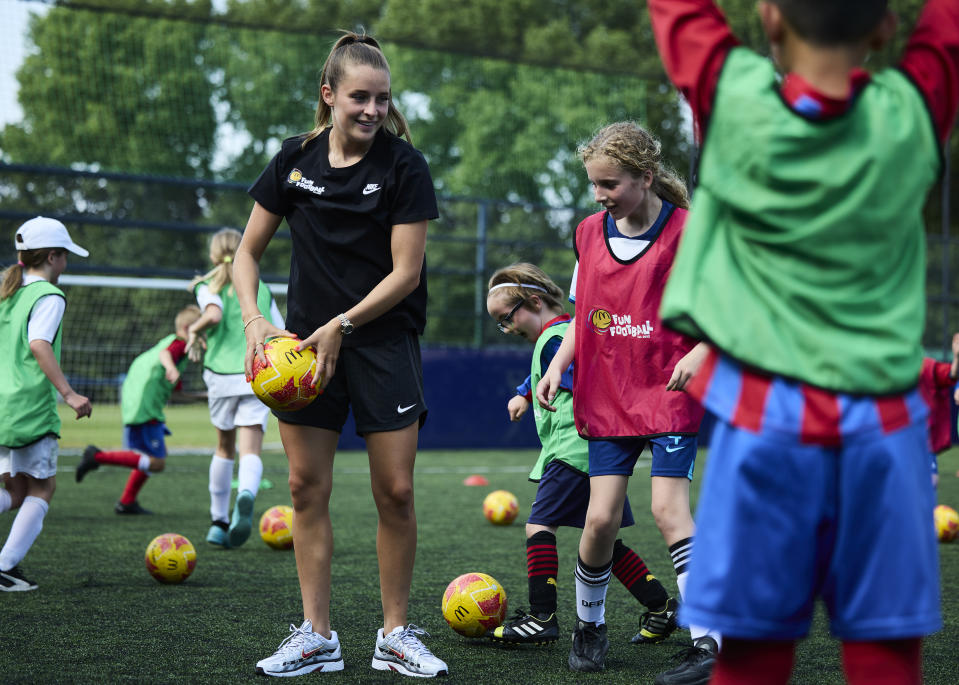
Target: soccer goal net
[110, 320]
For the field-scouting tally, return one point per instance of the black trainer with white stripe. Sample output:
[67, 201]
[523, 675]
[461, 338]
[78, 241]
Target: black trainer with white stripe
[13, 581]
[526, 629]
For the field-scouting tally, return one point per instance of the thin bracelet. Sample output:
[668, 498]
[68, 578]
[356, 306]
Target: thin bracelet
[258, 316]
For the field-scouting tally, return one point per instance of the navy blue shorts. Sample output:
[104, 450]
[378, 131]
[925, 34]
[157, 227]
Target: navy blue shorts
[147, 438]
[563, 497]
[673, 456]
[382, 382]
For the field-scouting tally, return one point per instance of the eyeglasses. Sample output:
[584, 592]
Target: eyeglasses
[504, 324]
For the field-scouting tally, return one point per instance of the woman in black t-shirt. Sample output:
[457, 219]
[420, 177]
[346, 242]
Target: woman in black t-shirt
[357, 198]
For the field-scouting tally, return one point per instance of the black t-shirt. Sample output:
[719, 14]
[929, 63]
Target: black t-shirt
[341, 220]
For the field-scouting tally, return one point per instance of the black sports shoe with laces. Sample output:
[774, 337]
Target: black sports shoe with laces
[696, 664]
[526, 629]
[13, 581]
[590, 645]
[134, 508]
[657, 626]
[88, 463]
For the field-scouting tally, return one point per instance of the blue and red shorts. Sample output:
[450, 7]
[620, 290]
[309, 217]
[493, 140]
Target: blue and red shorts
[810, 494]
[149, 438]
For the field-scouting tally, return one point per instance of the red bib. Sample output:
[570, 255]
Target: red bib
[624, 355]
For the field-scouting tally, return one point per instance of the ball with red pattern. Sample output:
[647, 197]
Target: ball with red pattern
[947, 523]
[473, 604]
[500, 507]
[284, 382]
[170, 558]
[276, 527]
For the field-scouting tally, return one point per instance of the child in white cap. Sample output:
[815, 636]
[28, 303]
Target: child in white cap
[31, 310]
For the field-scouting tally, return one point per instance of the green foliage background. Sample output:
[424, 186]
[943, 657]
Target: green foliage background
[192, 99]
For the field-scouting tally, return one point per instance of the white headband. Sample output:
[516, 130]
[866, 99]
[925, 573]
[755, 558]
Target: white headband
[519, 285]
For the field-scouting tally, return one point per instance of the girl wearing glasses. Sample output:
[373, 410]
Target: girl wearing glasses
[626, 366]
[524, 301]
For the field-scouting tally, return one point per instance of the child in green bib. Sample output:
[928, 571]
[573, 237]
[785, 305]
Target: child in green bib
[150, 381]
[525, 302]
[31, 313]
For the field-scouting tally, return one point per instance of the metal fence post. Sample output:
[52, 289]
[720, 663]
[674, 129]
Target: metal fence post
[479, 299]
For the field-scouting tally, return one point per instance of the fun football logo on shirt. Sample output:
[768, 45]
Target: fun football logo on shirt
[296, 179]
[602, 322]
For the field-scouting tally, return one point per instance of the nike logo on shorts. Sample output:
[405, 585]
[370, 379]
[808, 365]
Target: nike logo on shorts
[674, 449]
[403, 410]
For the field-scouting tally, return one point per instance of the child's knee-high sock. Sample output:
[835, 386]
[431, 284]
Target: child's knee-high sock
[542, 564]
[631, 571]
[251, 471]
[221, 476]
[681, 552]
[136, 480]
[591, 585]
[24, 531]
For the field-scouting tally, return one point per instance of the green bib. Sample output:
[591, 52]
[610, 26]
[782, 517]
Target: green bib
[804, 252]
[557, 430]
[145, 389]
[28, 400]
[226, 342]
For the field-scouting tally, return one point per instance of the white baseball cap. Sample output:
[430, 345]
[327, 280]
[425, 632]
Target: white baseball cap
[41, 232]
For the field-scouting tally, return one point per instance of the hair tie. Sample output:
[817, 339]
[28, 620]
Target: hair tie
[20, 263]
[227, 259]
[519, 285]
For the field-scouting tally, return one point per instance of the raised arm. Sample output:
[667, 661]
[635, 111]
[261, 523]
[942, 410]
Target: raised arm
[931, 59]
[693, 40]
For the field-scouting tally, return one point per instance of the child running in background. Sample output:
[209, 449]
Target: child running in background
[147, 387]
[31, 313]
[236, 413]
[937, 380]
[626, 369]
[803, 263]
[524, 301]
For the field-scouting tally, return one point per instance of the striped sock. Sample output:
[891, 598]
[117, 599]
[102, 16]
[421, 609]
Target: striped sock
[591, 584]
[631, 571]
[542, 564]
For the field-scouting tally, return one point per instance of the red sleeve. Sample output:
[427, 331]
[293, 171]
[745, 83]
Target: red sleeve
[931, 59]
[693, 39]
[177, 350]
[941, 375]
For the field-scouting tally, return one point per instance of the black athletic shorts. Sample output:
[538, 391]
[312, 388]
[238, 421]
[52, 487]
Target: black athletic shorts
[382, 382]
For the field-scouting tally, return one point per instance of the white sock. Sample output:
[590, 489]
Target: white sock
[144, 464]
[221, 476]
[695, 632]
[591, 585]
[24, 531]
[251, 471]
[5, 500]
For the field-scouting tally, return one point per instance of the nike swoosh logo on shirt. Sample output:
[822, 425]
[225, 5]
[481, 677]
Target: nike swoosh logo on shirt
[403, 410]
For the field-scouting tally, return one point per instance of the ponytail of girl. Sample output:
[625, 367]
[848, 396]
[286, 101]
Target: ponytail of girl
[223, 246]
[352, 49]
[637, 151]
[12, 277]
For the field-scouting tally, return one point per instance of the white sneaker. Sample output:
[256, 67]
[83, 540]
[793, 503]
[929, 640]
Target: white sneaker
[402, 651]
[303, 651]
